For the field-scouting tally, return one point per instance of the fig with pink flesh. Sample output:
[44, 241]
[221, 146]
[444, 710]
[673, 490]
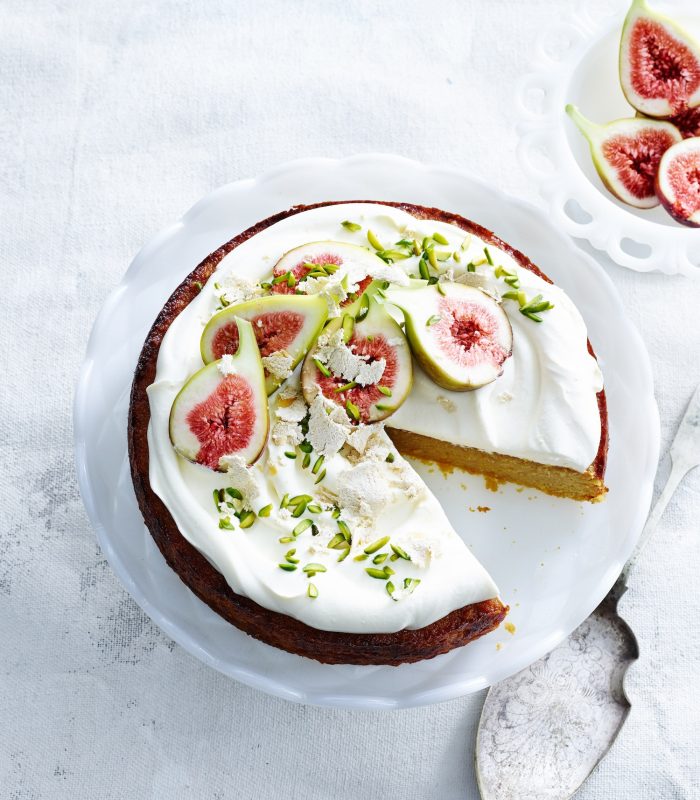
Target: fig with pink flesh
[687, 121]
[372, 340]
[460, 335]
[659, 63]
[282, 323]
[626, 154]
[678, 182]
[222, 409]
[320, 259]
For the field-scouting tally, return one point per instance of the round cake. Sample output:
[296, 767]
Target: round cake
[287, 378]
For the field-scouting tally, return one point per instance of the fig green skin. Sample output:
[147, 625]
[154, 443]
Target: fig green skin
[248, 364]
[377, 321]
[666, 201]
[640, 10]
[597, 134]
[310, 306]
[415, 330]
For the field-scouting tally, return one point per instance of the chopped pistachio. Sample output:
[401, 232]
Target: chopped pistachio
[281, 278]
[290, 454]
[321, 476]
[439, 238]
[266, 285]
[312, 591]
[265, 511]
[400, 552]
[433, 320]
[317, 466]
[380, 558]
[344, 530]
[390, 458]
[410, 583]
[384, 407]
[226, 524]
[314, 568]
[335, 513]
[338, 539]
[423, 269]
[348, 327]
[379, 574]
[351, 226]
[286, 540]
[287, 566]
[385, 390]
[416, 248]
[344, 554]
[376, 545]
[314, 508]
[302, 526]
[364, 308]
[306, 460]
[471, 267]
[235, 493]
[322, 368]
[198, 285]
[390, 588]
[345, 387]
[487, 253]
[247, 519]
[361, 557]
[374, 241]
[432, 257]
[299, 510]
[353, 410]
[305, 447]
[457, 257]
[285, 501]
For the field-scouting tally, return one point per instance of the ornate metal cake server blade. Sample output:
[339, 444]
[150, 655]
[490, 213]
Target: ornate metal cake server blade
[544, 730]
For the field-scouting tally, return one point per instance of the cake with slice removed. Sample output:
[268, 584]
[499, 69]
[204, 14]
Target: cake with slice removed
[328, 544]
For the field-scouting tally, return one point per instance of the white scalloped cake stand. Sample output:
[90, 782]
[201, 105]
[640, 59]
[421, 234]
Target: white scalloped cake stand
[553, 559]
[575, 61]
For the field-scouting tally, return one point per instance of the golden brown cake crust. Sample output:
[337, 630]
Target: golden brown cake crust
[454, 630]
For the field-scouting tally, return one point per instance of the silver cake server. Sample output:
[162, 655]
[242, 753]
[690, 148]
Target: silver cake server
[544, 730]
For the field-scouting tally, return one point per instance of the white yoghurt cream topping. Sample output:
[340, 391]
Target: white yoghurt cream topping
[542, 408]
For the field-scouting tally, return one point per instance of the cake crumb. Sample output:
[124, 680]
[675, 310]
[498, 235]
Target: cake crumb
[491, 483]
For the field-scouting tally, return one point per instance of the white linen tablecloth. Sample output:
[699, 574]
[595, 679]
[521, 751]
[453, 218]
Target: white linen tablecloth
[116, 117]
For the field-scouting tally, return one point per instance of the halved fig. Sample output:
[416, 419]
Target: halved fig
[280, 323]
[659, 63]
[688, 122]
[460, 335]
[361, 362]
[222, 409]
[678, 182]
[322, 258]
[626, 154]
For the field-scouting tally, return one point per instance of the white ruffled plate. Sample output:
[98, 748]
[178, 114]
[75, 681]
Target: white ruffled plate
[553, 559]
[575, 61]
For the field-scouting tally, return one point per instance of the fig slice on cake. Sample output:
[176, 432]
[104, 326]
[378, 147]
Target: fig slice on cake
[659, 63]
[459, 334]
[287, 324]
[362, 362]
[321, 260]
[222, 409]
[626, 153]
[678, 182]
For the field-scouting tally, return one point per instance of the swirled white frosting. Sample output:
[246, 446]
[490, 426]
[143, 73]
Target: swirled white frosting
[542, 408]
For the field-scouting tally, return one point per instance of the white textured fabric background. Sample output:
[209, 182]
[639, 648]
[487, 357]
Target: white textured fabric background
[115, 118]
